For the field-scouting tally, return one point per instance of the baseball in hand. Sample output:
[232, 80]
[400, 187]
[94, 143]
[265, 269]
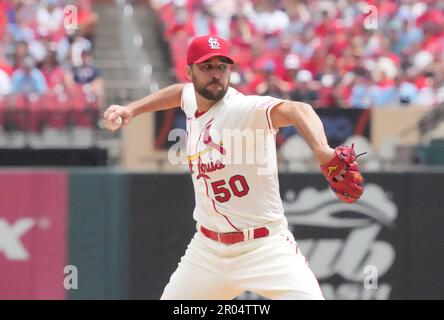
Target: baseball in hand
[114, 124]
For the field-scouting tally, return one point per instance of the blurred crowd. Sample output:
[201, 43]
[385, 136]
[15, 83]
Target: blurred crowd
[46, 48]
[340, 53]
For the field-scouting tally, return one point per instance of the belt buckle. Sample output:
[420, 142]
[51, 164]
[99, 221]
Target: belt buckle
[218, 237]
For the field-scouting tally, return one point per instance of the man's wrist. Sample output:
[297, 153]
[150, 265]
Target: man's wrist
[132, 109]
[324, 155]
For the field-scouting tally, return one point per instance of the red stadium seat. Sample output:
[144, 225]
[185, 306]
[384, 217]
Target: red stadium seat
[18, 112]
[85, 107]
[57, 110]
[3, 110]
[36, 113]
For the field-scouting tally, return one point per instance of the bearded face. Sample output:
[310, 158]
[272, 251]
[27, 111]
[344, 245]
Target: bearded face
[211, 78]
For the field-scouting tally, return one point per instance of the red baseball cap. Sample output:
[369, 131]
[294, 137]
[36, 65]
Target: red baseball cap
[205, 47]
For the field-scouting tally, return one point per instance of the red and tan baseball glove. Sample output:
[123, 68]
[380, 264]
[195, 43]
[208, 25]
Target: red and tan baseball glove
[342, 173]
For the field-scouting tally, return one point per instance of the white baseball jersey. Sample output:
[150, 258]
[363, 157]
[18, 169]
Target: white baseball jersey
[234, 189]
[237, 195]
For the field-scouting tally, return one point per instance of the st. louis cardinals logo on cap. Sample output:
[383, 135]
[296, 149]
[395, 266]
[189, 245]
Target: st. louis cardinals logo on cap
[205, 47]
[213, 43]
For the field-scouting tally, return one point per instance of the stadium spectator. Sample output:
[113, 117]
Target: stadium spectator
[28, 79]
[360, 95]
[86, 18]
[36, 57]
[384, 92]
[20, 52]
[292, 64]
[426, 94]
[242, 31]
[305, 90]
[203, 20]
[271, 84]
[269, 18]
[54, 74]
[5, 83]
[79, 44]
[328, 38]
[4, 62]
[87, 75]
[408, 36]
[50, 19]
[20, 29]
[327, 94]
[299, 18]
[4, 7]
[407, 91]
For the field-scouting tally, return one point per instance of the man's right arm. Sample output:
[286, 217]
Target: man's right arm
[163, 99]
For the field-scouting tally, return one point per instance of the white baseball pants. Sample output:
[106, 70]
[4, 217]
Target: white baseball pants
[272, 266]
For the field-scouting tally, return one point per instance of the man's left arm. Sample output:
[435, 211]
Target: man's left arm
[307, 122]
[338, 165]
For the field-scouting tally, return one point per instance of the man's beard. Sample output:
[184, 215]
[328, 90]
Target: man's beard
[210, 95]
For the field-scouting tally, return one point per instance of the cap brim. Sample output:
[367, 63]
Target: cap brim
[211, 55]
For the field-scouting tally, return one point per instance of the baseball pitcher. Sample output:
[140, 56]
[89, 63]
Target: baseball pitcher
[242, 241]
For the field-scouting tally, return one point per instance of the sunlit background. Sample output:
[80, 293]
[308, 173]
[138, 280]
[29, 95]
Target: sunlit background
[89, 214]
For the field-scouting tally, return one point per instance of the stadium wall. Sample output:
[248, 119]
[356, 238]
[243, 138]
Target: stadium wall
[125, 233]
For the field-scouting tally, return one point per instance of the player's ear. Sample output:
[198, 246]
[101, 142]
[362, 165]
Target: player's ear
[188, 72]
